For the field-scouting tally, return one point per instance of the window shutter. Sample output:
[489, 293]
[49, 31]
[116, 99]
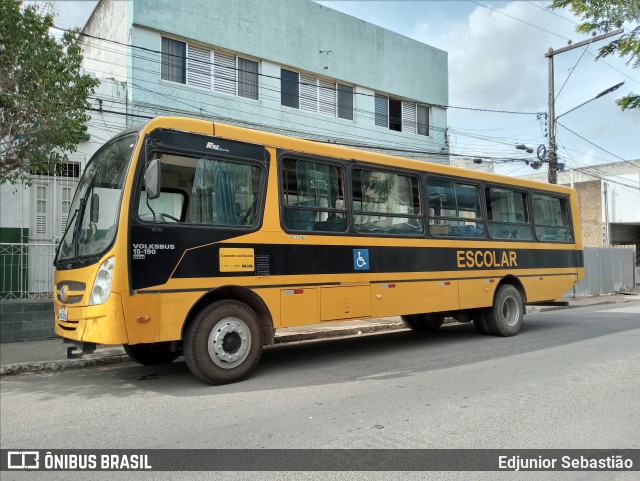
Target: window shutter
[41, 211]
[224, 73]
[64, 208]
[327, 98]
[409, 117]
[382, 110]
[199, 67]
[308, 93]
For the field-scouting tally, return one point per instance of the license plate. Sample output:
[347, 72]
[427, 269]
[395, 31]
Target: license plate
[62, 314]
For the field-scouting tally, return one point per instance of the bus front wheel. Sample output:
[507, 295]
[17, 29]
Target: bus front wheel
[506, 315]
[224, 343]
[423, 322]
[151, 354]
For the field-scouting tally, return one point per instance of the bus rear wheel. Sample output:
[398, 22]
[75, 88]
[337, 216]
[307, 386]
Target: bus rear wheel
[424, 322]
[506, 315]
[151, 354]
[224, 343]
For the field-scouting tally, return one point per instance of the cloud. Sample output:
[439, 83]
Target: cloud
[496, 60]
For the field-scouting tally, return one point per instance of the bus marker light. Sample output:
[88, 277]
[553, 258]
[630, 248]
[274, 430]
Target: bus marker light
[143, 318]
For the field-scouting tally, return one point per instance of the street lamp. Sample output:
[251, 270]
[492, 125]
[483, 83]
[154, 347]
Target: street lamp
[553, 161]
[601, 94]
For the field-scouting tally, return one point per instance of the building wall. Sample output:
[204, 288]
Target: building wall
[111, 19]
[590, 209]
[300, 35]
[293, 32]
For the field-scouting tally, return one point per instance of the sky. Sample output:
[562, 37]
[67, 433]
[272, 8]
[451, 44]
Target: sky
[496, 62]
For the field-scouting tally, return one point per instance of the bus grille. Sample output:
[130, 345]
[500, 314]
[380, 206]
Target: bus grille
[70, 292]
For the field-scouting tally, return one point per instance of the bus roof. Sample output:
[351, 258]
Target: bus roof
[311, 147]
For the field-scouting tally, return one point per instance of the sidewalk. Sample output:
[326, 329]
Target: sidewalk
[51, 355]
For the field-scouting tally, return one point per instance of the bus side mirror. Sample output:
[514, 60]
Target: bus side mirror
[95, 208]
[152, 179]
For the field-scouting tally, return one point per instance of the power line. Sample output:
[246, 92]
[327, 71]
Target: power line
[520, 20]
[146, 49]
[594, 144]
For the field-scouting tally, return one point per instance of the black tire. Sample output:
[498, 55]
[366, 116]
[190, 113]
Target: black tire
[224, 343]
[480, 321]
[506, 315]
[151, 354]
[424, 322]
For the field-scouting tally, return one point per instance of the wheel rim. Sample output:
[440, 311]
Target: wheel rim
[510, 311]
[229, 342]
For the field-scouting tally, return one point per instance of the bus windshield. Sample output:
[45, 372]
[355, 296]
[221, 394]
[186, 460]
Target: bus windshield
[94, 210]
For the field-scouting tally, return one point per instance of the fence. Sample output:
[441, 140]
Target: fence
[607, 270]
[26, 271]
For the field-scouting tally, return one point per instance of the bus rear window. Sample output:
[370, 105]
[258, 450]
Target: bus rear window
[551, 218]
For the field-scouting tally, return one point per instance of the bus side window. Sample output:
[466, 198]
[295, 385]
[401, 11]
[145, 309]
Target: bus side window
[551, 218]
[507, 214]
[386, 203]
[313, 196]
[454, 209]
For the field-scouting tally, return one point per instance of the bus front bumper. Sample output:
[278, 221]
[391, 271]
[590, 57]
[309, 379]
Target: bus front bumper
[102, 324]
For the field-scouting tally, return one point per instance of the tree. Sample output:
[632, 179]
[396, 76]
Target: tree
[43, 96]
[602, 16]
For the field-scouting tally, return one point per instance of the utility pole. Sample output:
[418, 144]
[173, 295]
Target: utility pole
[606, 215]
[553, 160]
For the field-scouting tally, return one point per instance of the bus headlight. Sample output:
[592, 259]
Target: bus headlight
[102, 285]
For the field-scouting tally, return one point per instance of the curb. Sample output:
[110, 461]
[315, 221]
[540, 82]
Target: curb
[60, 365]
[70, 364]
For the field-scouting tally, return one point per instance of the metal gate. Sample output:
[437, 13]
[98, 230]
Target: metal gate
[607, 270]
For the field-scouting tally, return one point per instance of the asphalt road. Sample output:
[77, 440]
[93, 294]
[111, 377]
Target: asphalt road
[570, 379]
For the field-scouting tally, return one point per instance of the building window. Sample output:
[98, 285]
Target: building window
[382, 110]
[224, 73]
[65, 205]
[199, 67]
[401, 115]
[327, 97]
[313, 94]
[247, 78]
[423, 120]
[290, 88]
[173, 66]
[345, 102]
[395, 115]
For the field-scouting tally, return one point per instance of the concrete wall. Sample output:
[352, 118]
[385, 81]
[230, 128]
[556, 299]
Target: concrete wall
[279, 33]
[111, 19]
[26, 320]
[590, 209]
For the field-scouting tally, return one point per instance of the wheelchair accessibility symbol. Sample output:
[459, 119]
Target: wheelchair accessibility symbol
[360, 259]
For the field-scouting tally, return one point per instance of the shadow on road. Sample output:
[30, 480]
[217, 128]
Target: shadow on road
[395, 355]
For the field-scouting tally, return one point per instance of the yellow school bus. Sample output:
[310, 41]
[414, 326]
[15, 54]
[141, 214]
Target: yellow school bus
[197, 238]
